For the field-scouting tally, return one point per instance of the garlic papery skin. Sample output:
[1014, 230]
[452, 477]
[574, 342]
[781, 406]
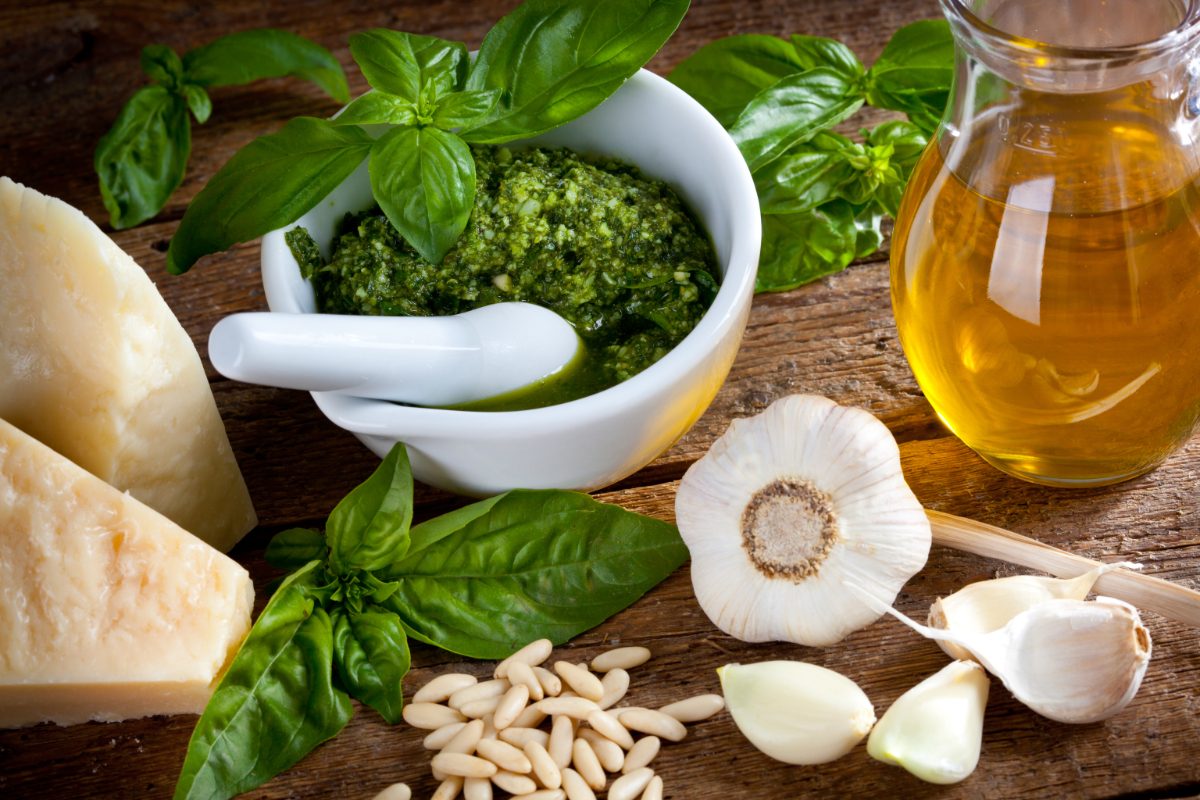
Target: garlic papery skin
[788, 505]
[935, 729]
[985, 606]
[795, 712]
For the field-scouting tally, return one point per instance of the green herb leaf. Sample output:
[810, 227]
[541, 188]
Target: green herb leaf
[725, 75]
[276, 702]
[295, 547]
[409, 66]
[799, 248]
[816, 51]
[424, 180]
[459, 109]
[162, 64]
[267, 184]
[198, 101]
[792, 111]
[265, 53]
[525, 565]
[914, 73]
[804, 177]
[868, 223]
[371, 653]
[378, 108]
[368, 529]
[907, 142]
[555, 61]
[142, 158]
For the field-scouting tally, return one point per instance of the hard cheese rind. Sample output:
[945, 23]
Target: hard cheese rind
[94, 364]
[108, 610]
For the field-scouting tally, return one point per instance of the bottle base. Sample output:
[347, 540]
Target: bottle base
[1066, 474]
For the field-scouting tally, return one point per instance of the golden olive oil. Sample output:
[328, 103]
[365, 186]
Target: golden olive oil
[1046, 285]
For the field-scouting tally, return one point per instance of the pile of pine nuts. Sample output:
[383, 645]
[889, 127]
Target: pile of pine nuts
[543, 735]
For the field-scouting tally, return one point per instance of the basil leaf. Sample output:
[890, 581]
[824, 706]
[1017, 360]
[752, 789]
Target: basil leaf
[371, 653]
[793, 111]
[369, 527]
[800, 248]
[377, 108]
[267, 184]
[142, 158]
[162, 64]
[408, 65]
[295, 547]
[817, 51]
[805, 177]
[868, 227]
[914, 73]
[424, 180]
[556, 61]
[265, 53]
[275, 704]
[198, 101]
[458, 109]
[907, 142]
[725, 75]
[527, 565]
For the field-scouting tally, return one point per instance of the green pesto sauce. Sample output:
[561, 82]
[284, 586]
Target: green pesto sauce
[614, 253]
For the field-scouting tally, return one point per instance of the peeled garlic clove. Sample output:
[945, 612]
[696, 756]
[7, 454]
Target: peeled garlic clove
[986, 606]
[785, 507]
[795, 712]
[934, 730]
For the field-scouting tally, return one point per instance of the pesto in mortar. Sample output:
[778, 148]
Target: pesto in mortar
[614, 253]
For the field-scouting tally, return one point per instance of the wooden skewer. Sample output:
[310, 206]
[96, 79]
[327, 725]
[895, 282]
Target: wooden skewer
[1142, 591]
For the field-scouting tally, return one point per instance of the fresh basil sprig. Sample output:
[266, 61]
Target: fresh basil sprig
[480, 581]
[823, 196]
[543, 65]
[141, 160]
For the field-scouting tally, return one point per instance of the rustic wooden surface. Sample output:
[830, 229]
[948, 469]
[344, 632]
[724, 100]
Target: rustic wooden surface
[65, 69]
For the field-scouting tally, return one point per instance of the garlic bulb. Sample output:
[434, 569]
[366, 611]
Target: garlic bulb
[985, 606]
[795, 712]
[935, 729]
[788, 505]
[1070, 660]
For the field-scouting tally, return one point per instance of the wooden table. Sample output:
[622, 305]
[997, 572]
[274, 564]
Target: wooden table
[65, 69]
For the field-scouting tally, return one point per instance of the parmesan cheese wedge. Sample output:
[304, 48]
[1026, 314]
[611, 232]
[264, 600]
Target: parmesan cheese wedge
[108, 610]
[94, 364]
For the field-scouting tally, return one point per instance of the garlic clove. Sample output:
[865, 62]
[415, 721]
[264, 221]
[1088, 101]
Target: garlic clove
[795, 712]
[788, 505]
[985, 606]
[935, 729]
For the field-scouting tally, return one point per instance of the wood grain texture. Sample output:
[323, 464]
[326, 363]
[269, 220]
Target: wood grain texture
[67, 67]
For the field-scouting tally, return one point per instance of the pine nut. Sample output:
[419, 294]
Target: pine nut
[503, 755]
[466, 739]
[643, 753]
[616, 684]
[583, 758]
[607, 725]
[448, 789]
[531, 717]
[514, 783]
[519, 736]
[654, 789]
[544, 794]
[477, 789]
[532, 654]
[578, 678]
[617, 712]
[464, 765]
[478, 709]
[621, 658]
[611, 756]
[550, 682]
[440, 737]
[430, 716]
[630, 785]
[562, 736]
[478, 691]
[489, 728]
[397, 791]
[520, 673]
[576, 787]
[695, 709]
[440, 688]
[653, 722]
[510, 706]
[544, 768]
[574, 707]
